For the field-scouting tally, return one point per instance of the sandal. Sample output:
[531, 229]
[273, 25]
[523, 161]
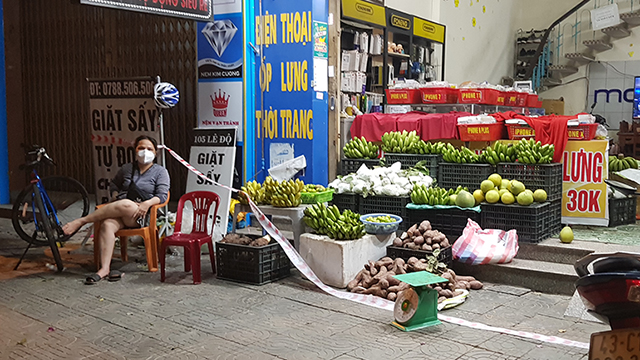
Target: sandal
[115, 275]
[93, 279]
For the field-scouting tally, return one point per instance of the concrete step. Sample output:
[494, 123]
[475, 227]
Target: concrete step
[563, 70]
[549, 82]
[580, 58]
[598, 45]
[541, 276]
[552, 250]
[631, 18]
[618, 31]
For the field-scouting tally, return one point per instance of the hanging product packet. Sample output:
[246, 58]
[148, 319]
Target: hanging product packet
[477, 246]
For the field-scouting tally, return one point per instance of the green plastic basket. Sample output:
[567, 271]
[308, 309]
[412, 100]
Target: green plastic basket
[320, 197]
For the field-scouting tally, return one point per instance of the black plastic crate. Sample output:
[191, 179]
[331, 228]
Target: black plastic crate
[547, 177]
[347, 202]
[250, 264]
[450, 222]
[622, 211]
[348, 166]
[410, 160]
[556, 223]
[445, 256]
[533, 223]
[396, 205]
[451, 175]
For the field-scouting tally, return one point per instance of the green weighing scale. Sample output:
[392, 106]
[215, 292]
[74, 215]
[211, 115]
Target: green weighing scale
[417, 307]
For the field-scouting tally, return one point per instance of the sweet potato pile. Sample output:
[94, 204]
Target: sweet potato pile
[233, 238]
[422, 237]
[377, 279]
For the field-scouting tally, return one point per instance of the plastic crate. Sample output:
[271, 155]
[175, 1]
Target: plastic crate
[622, 211]
[582, 132]
[403, 96]
[510, 98]
[547, 177]
[450, 175]
[521, 99]
[533, 222]
[317, 197]
[410, 160]
[347, 202]
[554, 230]
[445, 256]
[252, 265]
[396, 205]
[348, 166]
[482, 132]
[517, 132]
[533, 101]
[481, 96]
[450, 222]
[433, 95]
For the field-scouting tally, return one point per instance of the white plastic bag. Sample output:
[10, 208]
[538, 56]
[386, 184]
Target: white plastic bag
[477, 246]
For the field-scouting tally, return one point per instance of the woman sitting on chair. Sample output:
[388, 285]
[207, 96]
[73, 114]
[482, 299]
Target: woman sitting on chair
[136, 187]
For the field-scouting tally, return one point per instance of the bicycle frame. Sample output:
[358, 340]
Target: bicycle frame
[48, 205]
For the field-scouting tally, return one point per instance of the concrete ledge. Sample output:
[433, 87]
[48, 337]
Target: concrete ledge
[338, 262]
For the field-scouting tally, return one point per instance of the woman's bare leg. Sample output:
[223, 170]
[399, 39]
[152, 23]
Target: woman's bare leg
[107, 238]
[124, 209]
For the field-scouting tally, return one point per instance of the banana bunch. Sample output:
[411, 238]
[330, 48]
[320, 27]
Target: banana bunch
[422, 195]
[255, 192]
[360, 148]
[269, 187]
[532, 152]
[463, 156]
[401, 142]
[622, 163]
[499, 153]
[429, 148]
[328, 221]
[287, 193]
[311, 188]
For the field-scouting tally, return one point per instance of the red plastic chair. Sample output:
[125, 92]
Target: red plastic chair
[192, 243]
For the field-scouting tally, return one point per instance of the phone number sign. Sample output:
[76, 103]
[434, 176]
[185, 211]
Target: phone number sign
[200, 10]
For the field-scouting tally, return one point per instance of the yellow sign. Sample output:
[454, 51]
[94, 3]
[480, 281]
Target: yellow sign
[361, 10]
[400, 22]
[427, 29]
[584, 192]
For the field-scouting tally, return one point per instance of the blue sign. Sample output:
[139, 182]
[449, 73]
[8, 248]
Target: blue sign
[290, 116]
[220, 48]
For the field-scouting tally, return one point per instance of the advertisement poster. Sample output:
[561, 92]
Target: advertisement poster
[220, 48]
[584, 192]
[120, 110]
[213, 153]
[291, 100]
[218, 105]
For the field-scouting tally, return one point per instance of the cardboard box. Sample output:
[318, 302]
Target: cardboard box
[551, 106]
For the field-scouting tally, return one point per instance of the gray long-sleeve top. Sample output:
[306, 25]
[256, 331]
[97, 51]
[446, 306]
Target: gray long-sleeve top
[154, 181]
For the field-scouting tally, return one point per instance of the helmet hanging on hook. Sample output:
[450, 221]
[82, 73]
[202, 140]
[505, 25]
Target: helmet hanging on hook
[166, 95]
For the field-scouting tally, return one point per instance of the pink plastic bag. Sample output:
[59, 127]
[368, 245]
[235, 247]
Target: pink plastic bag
[477, 246]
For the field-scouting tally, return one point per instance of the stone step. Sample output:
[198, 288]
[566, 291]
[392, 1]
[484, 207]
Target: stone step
[580, 58]
[552, 250]
[563, 70]
[549, 82]
[541, 276]
[618, 31]
[598, 45]
[631, 18]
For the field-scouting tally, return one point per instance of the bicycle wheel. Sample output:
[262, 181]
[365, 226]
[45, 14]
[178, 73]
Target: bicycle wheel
[69, 199]
[48, 229]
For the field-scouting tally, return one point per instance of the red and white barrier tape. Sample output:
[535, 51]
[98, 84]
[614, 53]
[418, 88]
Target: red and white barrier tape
[370, 300]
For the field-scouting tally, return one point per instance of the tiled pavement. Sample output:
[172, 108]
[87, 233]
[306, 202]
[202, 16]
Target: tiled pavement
[55, 316]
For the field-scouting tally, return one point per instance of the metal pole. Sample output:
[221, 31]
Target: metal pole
[166, 225]
[4, 159]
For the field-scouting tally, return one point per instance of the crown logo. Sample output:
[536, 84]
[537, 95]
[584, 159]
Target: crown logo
[220, 102]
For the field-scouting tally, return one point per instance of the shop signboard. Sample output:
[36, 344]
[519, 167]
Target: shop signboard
[291, 99]
[120, 110]
[399, 22]
[428, 30]
[201, 10]
[364, 11]
[213, 153]
[584, 192]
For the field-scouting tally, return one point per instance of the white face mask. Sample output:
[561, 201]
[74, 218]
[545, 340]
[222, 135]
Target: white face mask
[146, 156]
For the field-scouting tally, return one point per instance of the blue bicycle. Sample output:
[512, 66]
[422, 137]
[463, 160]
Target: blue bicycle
[45, 205]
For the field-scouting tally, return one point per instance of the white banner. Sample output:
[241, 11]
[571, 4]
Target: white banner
[121, 109]
[213, 153]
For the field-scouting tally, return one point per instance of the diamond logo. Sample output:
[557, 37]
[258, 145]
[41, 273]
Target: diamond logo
[219, 34]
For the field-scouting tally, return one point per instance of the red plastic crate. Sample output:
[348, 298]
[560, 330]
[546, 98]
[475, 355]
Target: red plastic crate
[480, 96]
[517, 132]
[533, 101]
[403, 96]
[511, 98]
[582, 132]
[439, 95]
[482, 132]
[521, 99]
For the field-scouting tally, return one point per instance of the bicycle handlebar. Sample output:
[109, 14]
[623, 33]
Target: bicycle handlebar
[41, 157]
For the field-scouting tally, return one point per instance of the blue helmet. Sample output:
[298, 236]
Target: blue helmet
[166, 95]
